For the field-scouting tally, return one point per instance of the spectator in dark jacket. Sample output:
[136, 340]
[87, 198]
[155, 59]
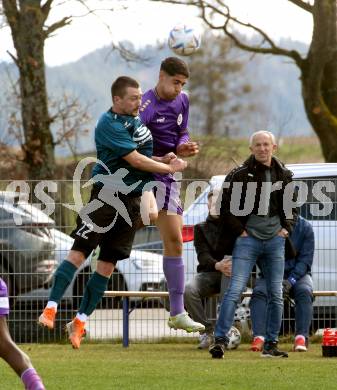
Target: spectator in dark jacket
[212, 277]
[257, 214]
[297, 284]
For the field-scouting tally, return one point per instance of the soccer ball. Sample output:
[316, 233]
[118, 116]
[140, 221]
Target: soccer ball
[234, 338]
[184, 40]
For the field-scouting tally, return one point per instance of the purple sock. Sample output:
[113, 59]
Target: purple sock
[173, 268]
[31, 380]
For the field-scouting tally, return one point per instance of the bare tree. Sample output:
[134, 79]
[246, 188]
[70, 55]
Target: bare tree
[318, 68]
[28, 22]
[68, 119]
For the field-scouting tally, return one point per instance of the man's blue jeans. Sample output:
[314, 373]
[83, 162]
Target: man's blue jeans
[270, 256]
[302, 293]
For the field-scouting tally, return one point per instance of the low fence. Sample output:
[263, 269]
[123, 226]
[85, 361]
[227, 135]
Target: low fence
[32, 245]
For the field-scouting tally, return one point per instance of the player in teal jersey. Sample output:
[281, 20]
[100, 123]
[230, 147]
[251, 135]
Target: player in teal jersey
[110, 219]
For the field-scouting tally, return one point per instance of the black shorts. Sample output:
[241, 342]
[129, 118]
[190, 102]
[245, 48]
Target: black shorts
[115, 242]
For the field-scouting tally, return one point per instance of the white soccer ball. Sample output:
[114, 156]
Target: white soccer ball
[234, 336]
[184, 40]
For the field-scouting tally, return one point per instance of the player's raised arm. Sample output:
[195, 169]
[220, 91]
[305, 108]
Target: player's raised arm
[188, 149]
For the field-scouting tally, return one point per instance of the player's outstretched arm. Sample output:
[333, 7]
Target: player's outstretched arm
[143, 163]
[188, 149]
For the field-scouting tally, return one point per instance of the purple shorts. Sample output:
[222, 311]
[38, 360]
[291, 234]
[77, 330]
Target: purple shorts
[4, 302]
[167, 194]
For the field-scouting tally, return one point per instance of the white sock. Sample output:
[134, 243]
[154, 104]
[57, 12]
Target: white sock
[260, 337]
[51, 304]
[82, 317]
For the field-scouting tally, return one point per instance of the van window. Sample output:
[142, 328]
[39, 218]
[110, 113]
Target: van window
[321, 200]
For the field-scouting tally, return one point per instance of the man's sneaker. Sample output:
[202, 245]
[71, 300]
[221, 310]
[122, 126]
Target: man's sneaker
[217, 349]
[257, 344]
[205, 340]
[76, 331]
[183, 321]
[270, 351]
[47, 318]
[300, 344]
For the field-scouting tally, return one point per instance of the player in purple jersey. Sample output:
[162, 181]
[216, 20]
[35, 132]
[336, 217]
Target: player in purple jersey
[164, 111]
[10, 352]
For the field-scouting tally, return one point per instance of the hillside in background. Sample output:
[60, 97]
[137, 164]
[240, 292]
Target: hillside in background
[274, 81]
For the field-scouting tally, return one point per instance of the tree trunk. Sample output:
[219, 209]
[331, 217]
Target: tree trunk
[319, 78]
[26, 24]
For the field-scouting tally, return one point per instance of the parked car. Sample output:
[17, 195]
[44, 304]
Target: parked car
[324, 269]
[27, 253]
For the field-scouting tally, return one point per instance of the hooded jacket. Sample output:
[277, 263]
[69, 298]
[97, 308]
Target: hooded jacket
[304, 242]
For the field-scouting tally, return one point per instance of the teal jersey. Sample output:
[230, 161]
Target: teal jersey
[115, 137]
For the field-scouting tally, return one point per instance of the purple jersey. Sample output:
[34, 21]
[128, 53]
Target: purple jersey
[4, 303]
[167, 121]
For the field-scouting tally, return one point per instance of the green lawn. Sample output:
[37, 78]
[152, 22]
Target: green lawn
[173, 367]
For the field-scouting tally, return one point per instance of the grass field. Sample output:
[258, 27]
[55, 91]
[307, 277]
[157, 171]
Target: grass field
[173, 367]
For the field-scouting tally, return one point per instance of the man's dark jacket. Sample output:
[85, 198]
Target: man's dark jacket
[231, 226]
[205, 239]
[304, 241]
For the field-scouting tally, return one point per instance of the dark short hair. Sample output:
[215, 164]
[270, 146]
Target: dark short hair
[174, 66]
[118, 87]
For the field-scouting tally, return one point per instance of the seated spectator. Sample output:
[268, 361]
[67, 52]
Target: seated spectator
[297, 284]
[213, 274]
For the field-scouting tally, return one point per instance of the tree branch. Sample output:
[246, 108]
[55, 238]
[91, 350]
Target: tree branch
[10, 8]
[96, 10]
[272, 49]
[304, 5]
[46, 9]
[126, 53]
[219, 8]
[61, 23]
[16, 61]
[11, 12]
